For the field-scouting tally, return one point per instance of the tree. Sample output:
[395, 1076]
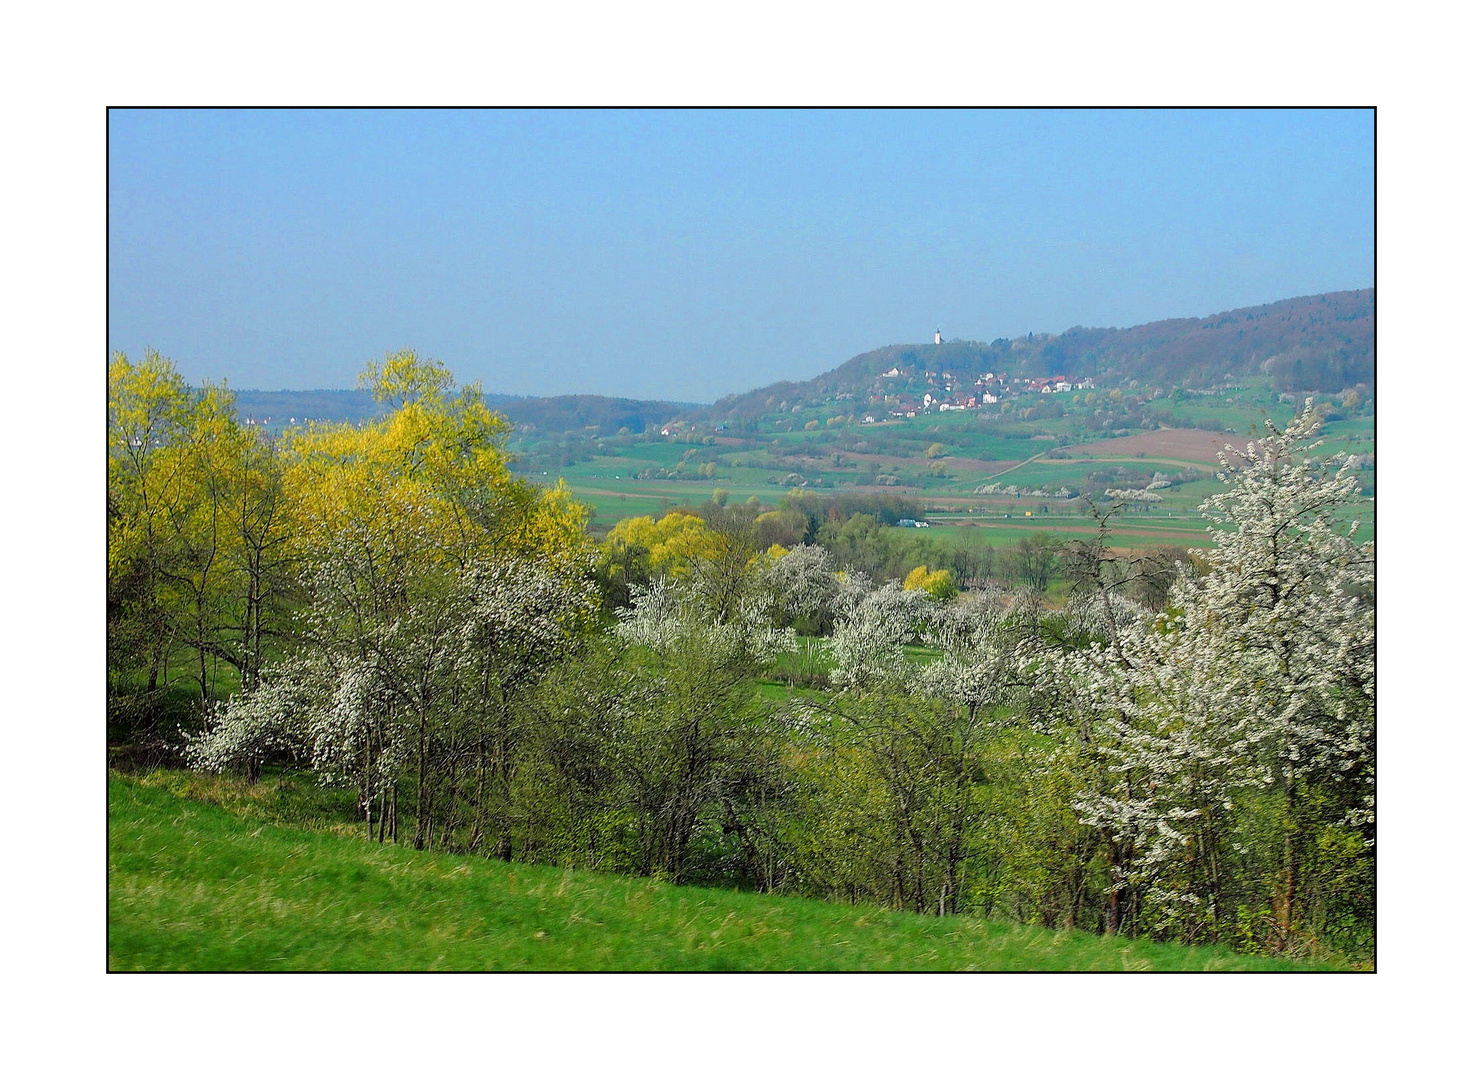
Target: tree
[638, 550]
[868, 638]
[937, 584]
[889, 808]
[1237, 728]
[1031, 560]
[691, 738]
[437, 588]
[802, 586]
[149, 414]
[197, 531]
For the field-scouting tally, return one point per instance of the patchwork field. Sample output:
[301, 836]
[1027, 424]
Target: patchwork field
[1039, 469]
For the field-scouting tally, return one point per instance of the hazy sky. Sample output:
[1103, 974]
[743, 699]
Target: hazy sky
[690, 254]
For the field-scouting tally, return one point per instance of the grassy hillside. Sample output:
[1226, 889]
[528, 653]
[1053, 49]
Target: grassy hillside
[204, 875]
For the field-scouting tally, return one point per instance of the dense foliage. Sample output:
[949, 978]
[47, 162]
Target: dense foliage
[1181, 749]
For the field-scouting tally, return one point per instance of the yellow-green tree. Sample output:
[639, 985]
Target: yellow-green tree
[638, 550]
[937, 584]
[437, 587]
[149, 412]
[425, 490]
[196, 531]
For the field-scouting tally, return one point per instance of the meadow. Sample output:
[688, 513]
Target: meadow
[211, 874]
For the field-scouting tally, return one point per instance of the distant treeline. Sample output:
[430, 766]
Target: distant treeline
[590, 413]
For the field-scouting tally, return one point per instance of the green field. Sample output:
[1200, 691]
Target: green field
[628, 475]
[207, 874]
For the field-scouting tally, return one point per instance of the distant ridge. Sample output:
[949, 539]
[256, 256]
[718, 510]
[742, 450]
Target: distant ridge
[552, 415]
[1323, 342]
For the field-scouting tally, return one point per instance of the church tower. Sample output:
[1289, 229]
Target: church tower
[938, 339]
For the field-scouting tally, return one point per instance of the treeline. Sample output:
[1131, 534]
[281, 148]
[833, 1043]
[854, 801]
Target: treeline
[591, 413]
[448, 643]
[860, 533]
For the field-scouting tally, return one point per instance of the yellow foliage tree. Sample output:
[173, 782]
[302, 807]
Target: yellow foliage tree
[672, 546]
[937, 584]
[197, 534]
[427, 490]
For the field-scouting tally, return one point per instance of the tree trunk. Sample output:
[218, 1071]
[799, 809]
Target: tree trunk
[419, 839]
[370, 801]
[1287, 881]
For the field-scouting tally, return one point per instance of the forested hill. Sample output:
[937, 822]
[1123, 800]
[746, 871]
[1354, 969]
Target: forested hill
[591, 413]
[546, 415]
[1324, 342]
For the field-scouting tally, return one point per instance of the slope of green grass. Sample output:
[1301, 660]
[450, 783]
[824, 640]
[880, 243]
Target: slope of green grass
[211, 883]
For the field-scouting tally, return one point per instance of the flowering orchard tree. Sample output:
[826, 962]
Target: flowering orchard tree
[867, 641]
[671, 616]
[1237, 728]
[804, 587]
[981, 654]
[432, 690]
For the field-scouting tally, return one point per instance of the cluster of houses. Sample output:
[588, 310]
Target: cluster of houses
[988, 389]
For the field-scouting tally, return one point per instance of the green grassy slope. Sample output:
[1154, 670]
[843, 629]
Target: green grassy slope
[196, 886]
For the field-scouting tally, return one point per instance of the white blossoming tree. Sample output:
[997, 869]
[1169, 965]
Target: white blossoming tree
[671, 616]
[868, 639]
[1237, 728]
[804, 586]
[430, 692]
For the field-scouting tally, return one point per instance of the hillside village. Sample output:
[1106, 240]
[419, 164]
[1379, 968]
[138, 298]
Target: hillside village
[944, 393]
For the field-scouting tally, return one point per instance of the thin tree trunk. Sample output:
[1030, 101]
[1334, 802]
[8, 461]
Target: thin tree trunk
[1288, 879]
[370, 833]
[419, 839]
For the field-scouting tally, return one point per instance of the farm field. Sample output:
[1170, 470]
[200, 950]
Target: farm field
[205, 875]
[946, 460]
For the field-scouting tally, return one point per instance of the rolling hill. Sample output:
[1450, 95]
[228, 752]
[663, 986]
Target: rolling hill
[1324, 343]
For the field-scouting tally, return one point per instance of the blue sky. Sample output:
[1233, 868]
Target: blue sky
[690, 254]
